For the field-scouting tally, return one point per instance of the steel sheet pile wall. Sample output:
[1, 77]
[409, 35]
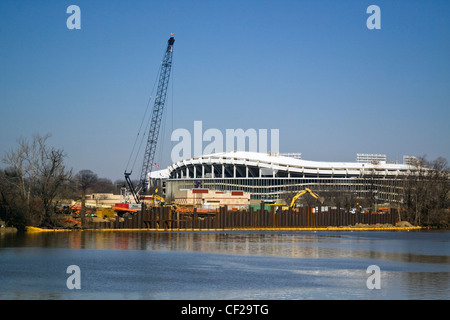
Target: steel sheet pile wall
[167, 219]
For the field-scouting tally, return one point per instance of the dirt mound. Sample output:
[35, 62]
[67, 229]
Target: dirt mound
[378, 225]
[403, 224]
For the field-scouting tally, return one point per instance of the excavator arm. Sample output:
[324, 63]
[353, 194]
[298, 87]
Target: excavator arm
[299, 194]
[315, 195]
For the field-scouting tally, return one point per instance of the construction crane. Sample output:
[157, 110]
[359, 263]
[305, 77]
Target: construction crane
[155, 123]
[299, 194]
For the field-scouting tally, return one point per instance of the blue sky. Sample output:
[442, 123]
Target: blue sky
[311, 69]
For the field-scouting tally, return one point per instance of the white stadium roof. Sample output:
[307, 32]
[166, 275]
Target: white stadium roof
[277, 162]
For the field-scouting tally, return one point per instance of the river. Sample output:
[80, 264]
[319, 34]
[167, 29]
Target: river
[225, 265]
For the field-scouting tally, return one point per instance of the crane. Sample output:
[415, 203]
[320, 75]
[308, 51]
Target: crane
[155, 123]
[299, 194]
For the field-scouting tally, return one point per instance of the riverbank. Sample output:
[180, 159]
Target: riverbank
[376, 227]
[6, 230]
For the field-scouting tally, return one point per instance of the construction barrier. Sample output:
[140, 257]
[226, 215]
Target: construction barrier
[165, 218]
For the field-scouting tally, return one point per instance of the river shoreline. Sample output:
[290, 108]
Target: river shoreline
[6, 230]
[376, 227]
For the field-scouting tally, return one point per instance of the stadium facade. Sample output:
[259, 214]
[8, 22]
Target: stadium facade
[268, 176]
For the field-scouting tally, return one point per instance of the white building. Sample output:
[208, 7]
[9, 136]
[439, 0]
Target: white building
[370, 157]
[267, 176]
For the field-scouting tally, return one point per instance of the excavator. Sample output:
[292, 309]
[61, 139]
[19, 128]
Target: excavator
[299, 194]
[162, 201]
[155, 196]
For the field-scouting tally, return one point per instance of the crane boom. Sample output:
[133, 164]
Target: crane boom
[158, 109]
[155, 123]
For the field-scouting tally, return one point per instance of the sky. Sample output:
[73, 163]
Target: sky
[312, 69]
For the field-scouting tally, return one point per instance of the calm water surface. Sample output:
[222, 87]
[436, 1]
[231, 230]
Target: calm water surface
[225, 265]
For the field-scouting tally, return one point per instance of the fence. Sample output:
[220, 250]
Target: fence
[167, 219]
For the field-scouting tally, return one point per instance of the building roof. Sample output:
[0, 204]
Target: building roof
[277, 162]
[159, 174]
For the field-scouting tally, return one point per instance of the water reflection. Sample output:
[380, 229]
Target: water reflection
[389, 246]
[436, 282]
[225, 265]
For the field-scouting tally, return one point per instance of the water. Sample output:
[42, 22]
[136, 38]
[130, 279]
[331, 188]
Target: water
[225, 265]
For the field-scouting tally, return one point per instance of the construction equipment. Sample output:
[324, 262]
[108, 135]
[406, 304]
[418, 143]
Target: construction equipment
[155, 123]
[155, 196]
[299, 194]
[277, 205]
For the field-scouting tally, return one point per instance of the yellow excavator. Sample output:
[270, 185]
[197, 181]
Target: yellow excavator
[157, 197]
[162, 201]
[299, 194]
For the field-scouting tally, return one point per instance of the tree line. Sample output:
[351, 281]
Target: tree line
[422, 195]
[36, 182]
[425, 198]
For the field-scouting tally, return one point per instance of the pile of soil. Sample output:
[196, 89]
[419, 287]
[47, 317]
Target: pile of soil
[378, 225]
[403, 224]
[4, 230]
[106, 219]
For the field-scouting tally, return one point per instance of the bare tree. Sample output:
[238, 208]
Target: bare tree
[38, 174]
[52, 176]
[22, 167]
[85, 180]
[426, 192]
[13, 210]
[104, 185]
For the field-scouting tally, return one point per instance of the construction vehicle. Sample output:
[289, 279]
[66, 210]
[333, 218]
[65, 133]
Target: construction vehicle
[299, 194]
[277, 205]
[155, 196]
[155, 124]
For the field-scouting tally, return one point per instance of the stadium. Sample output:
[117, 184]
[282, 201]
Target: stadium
[269, 176]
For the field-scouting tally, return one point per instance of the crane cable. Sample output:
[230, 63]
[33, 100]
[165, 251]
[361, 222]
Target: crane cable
[140, 127]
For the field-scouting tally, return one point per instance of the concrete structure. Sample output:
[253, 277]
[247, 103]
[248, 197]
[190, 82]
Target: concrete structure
[411, 160]
[269, 176]
[211, 199]
[295, 155]
[106, 200]
[369, 157]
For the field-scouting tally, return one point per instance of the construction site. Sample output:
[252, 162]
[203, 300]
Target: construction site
[223, 219]
[246, 190]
